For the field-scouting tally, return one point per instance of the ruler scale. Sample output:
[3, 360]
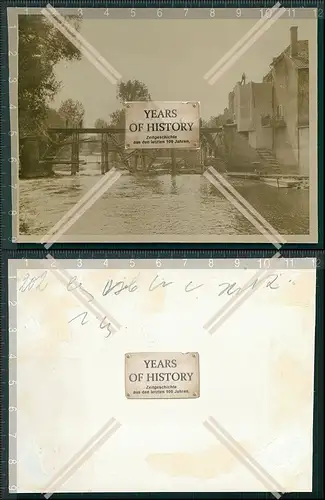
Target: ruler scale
[138, 10]
[160, 263]
[173, 257]
[12, 380]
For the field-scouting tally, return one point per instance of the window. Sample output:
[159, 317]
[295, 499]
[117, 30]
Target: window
[279, 111]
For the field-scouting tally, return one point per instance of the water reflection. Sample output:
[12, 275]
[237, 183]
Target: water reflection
[153, 205]
[141, 181]
[76, 183]
[174, 189]
[208, 190]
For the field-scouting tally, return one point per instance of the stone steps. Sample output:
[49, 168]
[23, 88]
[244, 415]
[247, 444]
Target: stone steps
[269, 160]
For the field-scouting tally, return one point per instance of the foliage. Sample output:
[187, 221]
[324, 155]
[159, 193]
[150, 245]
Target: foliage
[54, 119]
[72, 111]
[132, 90]
[41, 46]
[117, 118]
[100, 123]
[204, 142]
[213, 121]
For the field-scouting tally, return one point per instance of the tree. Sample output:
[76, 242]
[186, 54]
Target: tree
[95, 147]
[213, 121]
[117, 118]
[41, 46]
[100, 123]
[72, 111]
[132, 90]
[54, 119]
[204, 141]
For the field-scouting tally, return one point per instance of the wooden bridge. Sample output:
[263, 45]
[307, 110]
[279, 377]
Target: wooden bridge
[42, 153]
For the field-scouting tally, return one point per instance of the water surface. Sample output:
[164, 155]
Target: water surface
[157, 205]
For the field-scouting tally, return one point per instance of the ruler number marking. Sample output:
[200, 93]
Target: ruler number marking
[318, 12]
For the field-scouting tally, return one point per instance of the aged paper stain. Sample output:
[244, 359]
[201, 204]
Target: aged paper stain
[56, 321]
[293, 389]
[155, 301]
[297, 290]
[206, 464]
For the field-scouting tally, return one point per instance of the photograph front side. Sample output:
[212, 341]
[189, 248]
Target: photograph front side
[129, 135]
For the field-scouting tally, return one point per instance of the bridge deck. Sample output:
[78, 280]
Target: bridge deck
[91, 130]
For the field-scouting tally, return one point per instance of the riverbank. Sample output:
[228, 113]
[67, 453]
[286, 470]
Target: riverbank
[294, 180]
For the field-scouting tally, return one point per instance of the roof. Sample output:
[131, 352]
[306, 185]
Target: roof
[268, 77]
[301, 60]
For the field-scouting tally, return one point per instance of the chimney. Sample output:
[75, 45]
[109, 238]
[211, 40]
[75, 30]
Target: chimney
[293, 41]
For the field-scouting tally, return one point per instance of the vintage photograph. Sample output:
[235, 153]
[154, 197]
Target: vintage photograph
[90, 169]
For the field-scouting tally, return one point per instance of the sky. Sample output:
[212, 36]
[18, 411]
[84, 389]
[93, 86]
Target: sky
[171, 57]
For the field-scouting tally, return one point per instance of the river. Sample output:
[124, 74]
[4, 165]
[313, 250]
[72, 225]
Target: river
[155, 205]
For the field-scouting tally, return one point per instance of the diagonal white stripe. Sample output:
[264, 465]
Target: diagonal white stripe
[78, 205]
[82, 450]
[83, 41]
[101, 188]
[277, 236]
[82, 456]
[272, 237]
[247, 45]
[79, 46]
[240, 42]
[91, 54]
[244, 457]
[242, 450]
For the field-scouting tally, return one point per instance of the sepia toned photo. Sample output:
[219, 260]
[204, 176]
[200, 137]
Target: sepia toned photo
[168, 125]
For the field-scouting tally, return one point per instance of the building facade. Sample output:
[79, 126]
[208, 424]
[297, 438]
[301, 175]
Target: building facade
[274, 114]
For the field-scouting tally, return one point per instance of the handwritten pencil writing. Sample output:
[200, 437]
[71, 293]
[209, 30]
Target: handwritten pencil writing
[156, 284]
[234, 289]
[111, 287]
[34, 282]
[119, 287]
[188, 289]
[104, 324]
[74, 284]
